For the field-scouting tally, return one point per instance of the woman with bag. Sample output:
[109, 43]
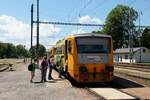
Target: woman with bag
[32, 69]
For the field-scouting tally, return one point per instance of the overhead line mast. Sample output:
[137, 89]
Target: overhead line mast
[31, 29]
[37, 33]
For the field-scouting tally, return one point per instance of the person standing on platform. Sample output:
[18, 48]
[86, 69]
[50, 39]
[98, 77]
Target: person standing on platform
[32, 69]
[43, 68]
[50, 65]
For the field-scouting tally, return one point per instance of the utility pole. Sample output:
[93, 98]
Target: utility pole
[24, 54]
[130, 37]
[37, 52]
[31, 29]
[140, 34]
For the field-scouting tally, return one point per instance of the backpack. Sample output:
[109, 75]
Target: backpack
[30, 67]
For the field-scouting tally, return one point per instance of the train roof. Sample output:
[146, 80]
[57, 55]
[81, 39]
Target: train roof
[90, 34]
[62, 41]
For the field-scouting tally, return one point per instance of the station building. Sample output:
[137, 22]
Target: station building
[138, 55]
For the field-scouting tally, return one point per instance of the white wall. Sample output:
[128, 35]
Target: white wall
[145, 56]
[121, 58]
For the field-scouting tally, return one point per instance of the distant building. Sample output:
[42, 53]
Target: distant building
[140, 54]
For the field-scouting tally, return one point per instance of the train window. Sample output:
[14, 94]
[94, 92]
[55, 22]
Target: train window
[58, 50]
[93, 45]
[69, 47]
[63, 49]
[66, 50]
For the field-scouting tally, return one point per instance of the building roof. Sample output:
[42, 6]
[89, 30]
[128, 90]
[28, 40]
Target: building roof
[127, 50]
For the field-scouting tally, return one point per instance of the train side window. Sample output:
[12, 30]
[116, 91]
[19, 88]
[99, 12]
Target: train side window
[66, 49]
[69, 46]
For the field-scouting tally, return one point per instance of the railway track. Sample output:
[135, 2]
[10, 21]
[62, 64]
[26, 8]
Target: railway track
[138, 79]
[104, 91]
[137, 72]
[139, 67]
[9, 64]
[4, 68]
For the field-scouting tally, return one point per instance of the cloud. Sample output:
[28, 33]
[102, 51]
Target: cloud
[78, 31]
[48, 30]
[17, 32]
[12, 28]
[88, 19]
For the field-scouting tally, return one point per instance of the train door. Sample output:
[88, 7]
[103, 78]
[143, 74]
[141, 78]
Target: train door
[69, 57]
[66, 56]
[66, 50]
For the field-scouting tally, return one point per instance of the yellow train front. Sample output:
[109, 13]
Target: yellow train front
[89, 57]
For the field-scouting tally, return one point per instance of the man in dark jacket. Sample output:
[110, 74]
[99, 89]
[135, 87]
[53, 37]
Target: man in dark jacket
[44, 65]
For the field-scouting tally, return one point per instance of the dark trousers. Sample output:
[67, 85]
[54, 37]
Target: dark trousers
[43, 75]
[60, 70]
[50, 73]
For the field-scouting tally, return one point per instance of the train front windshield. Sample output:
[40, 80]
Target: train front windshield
[93, 44]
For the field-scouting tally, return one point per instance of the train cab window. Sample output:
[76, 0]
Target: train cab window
[93, 45]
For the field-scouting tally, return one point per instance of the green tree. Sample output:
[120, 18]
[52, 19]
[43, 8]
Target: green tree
[145, 39]
[98, 31]
[21, 51]
[2, 49]
[117, 24]
[10, 51]
[42, 51]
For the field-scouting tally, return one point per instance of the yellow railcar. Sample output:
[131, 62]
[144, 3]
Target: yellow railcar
[86, 57]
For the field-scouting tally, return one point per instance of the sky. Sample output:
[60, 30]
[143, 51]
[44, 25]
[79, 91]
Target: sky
[15, 18]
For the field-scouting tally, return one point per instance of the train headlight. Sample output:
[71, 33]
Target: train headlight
[83, 69]
[83, 73]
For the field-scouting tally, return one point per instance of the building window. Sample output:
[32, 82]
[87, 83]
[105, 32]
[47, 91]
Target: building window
[126, 56]
[121, 58]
